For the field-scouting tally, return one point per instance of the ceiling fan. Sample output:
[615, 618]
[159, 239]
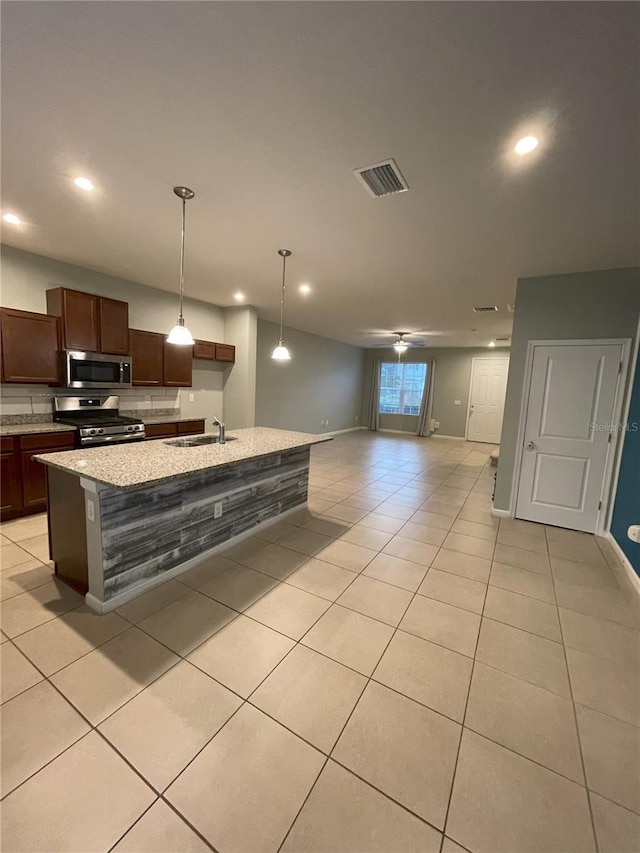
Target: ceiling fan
[403, 340]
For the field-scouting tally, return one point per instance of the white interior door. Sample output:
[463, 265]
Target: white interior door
[571, 401]
[486, 399]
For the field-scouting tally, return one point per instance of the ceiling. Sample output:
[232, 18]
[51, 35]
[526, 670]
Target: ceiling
[264, 109]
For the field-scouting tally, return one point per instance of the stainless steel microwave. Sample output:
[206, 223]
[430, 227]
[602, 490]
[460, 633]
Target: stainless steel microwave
[95, 370]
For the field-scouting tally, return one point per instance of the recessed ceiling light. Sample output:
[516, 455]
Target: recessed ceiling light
[526, 145]
[12, 219]
[239, 297]
[305, 288]
[83, 184]
[491, 343]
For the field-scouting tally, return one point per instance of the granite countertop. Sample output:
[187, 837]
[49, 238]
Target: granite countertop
[172, 419]
[50, 426]
[137, 464]
[24, 429]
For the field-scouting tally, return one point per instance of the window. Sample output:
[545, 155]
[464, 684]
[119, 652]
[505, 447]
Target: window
[401, 387]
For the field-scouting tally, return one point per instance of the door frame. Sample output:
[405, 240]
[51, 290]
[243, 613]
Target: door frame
[614, 446]
[473, 361]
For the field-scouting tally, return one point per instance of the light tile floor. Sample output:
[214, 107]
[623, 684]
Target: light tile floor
[391, 669]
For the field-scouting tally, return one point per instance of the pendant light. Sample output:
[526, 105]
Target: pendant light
[281, 353]
[180, 335]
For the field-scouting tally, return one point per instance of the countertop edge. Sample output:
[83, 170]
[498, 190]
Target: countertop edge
[50, 459]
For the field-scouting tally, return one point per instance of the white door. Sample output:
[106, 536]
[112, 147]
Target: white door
[571, 401]
[486, 399]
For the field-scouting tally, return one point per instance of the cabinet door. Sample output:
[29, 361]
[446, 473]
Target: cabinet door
[10, 487]
[114, 326]
[195, 427]
[80, 321]
[204, 349]
[161, 430]
[225, 352]
[34, 481]
[177, 365]
[147, 355]
[29, 347]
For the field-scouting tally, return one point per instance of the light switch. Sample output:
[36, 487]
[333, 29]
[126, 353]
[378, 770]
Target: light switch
[191, 398]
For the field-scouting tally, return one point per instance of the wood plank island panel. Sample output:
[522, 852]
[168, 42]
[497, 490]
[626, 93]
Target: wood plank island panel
[147, 531]
[161, 508]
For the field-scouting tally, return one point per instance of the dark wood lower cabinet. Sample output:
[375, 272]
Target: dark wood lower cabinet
[24, 480]
[175, 428]
[34, 482]
[10, 483]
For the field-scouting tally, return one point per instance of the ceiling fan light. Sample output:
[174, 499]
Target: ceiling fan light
[400, 347]
[281, 353]
[180, 335]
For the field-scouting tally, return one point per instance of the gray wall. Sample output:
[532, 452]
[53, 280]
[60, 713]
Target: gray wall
[577, 306]
[323, 381]
[241, 329]
[452, 378]
[26, 277]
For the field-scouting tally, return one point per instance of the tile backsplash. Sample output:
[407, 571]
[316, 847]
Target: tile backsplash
[35, 402]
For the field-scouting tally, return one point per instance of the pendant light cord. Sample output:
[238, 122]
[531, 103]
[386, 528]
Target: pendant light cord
[184, 214]
[284, 266]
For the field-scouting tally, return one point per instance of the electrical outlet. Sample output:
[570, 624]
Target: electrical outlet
[437, 425]
[147, 398]
[357, 418]
[217, 509]
[91, 510]
[191, 398]
[326, 423]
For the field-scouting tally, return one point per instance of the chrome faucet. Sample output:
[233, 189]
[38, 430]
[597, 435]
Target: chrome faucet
[221, 438]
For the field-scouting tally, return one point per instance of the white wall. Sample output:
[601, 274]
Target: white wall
[26, 278]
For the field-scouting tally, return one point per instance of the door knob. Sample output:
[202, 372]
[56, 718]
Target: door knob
[530, 445]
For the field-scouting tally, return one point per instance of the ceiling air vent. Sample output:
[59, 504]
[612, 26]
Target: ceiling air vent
[485, 309]
[382, 178]
[503, 340]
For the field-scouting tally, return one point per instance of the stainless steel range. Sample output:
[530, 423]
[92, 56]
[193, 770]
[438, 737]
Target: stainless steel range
[97, 420]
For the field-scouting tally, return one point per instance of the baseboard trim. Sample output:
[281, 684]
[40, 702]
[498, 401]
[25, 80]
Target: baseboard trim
[631, 572]
[501, 513]
[133, 592]
[340, 431]
[397, 431]
[448, 437]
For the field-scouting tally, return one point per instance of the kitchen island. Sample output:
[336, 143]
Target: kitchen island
[125, 518]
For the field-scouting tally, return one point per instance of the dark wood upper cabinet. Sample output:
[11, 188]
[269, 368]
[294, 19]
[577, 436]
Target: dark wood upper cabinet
[80, 321]
[225, 352]
[114, 326]
[147, 355]
[29, 347]
[90, 322]
[211, 351]
[178, 364]
[205, 350]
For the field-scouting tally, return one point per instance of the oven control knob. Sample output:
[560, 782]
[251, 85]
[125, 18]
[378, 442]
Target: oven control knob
[92, 432]
[130, 428]
[100, 431]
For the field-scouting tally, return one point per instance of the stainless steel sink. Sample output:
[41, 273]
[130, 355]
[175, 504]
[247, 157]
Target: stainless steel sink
[197, 441]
